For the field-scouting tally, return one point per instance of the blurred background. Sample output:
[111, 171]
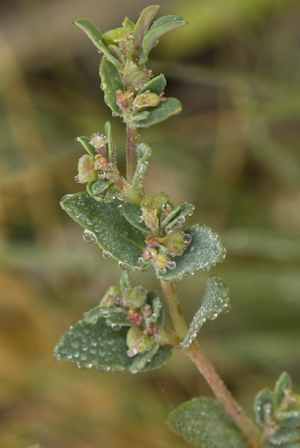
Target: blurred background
[233, 152]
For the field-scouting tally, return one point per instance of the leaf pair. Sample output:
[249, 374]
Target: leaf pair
[117, 230]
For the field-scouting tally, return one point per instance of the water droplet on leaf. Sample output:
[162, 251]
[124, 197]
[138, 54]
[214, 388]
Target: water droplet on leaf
[106, 255]
[123, 266]
[89, 237]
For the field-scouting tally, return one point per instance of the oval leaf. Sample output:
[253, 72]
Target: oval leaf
[113, 232]
[158, 29]
[215, 300]
[100, 346]
[111, 81]
[96, 37]
[204, 251]
[164, 110]
[132, 213]
[203, 422]
[284, 436]
[95, 344]
[155, 85]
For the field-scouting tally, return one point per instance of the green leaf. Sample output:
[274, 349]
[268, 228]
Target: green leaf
[106, 312]
[132, 213]
[290, 422]
[96, 37]
[284, 384]
[178, 214]
[100, 185]
[114, 234]
[94, 345]
[111, 81]
[204, 422]
[85, 141]
[264, 406]
[155, 85]
[139, 115]
[142, 25]
[215, 300]
[100, 346]
[204, 251]
[284, 436]
[164, 110]
[158, 29]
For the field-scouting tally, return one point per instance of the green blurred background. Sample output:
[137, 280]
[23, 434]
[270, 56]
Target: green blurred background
[233, 152]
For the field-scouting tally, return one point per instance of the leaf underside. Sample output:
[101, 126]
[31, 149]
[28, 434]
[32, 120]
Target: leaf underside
[113, 232]
[204, 251]
[204, 422]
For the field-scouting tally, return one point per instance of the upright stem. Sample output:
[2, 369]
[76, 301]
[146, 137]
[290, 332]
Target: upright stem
[132, 138]
[248, 428]
[176, 315]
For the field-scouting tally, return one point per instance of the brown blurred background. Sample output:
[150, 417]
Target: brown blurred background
[233, 152]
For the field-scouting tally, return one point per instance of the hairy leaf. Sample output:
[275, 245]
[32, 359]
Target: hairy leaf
[204, 251]
[215, 300]
[96, 37]
[158, 29]
[85, 141]
[114, 234]
[203, 422]
[164, 110]
[111, 81]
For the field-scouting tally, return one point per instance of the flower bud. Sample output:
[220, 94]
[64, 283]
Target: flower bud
[135, 297]
[174, 242]
[138, 341]
[86, 172]
[124, 99]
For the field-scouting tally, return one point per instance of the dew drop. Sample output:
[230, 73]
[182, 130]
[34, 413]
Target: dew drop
[76, 355]
[181, 220]
[89, 237]
[116, 327]
[142, 170]
[106, 255]
[140, 219]
[187, 239]
[161, 271]
[131, 352]
[171, 264]
[213, 316]
[81, 365]
[120, 209]
[83, 357]
[75, 344]
[120, 196]
[123, 266]
[188, 274]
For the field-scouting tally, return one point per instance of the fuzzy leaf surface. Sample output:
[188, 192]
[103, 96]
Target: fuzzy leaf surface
[113, 232]
[204, 251]
[158, 29]
[155, 85]
[111, 81]
[215, 300]
[164, 110]
[96, 37]
[100, 346]
[203, 422]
